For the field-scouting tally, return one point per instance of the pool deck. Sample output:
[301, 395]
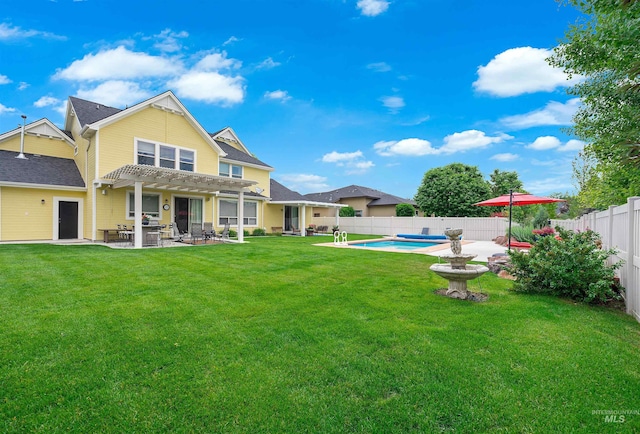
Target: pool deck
[482, 249]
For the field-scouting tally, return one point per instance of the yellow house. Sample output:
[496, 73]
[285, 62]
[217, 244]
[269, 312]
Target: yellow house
[109, 167]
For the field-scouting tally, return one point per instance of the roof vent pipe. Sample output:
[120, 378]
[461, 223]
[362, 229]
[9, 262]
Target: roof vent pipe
[21, 154]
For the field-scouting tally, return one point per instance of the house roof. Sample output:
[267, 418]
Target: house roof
[378, 198]
[39, 169]
[89, 112]
[237, 155]
[280, 193]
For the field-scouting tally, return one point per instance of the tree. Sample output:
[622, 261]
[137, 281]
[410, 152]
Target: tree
[451, 191]
[501, 182]
[603, 48]
[347, 211]
[404, 210]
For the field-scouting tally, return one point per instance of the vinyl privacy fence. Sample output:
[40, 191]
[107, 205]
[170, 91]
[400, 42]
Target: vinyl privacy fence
[619, 228]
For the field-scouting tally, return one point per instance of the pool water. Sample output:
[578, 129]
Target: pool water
[398, 245]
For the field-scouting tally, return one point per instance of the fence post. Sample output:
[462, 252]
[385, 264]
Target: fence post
[609, 243]
[633, 292]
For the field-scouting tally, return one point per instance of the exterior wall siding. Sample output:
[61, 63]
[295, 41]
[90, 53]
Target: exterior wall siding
[40, 146]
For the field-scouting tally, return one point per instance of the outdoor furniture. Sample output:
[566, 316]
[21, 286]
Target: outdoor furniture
[425, 231]
[196, 233]
[125, 235]
[295, 231]
[209, 232]
[107, 234]
[224, 235]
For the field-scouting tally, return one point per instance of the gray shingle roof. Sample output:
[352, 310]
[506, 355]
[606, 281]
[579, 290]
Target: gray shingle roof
[280, 193]
[39, 169]
[379, 198]
[89, 112]
[237, 155]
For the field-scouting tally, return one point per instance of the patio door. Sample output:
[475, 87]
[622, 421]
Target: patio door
[67, 220]
[291, 218]
[188, 213]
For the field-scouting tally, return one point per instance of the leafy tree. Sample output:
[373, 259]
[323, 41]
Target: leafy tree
[501, 182]
[603, 48]
[404, 210]
[451, 191]
[347, 211]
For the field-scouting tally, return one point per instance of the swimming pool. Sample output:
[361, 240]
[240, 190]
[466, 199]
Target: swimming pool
[394, 244]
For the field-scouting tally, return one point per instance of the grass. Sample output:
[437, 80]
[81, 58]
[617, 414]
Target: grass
[281, 336]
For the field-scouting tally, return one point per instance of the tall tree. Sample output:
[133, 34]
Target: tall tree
[451, 191]
[501, 182]
[603, 48]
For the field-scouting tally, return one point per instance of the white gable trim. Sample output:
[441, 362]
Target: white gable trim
[166, 101]
[40, 128]
[227, 134]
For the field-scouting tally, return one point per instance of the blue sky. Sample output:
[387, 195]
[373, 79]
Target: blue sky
[329, 92]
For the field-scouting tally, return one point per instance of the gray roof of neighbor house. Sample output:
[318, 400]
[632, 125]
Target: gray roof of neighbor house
[39, 169]
[237, 155]
[378, 198]
[89, 112]
[280, 193]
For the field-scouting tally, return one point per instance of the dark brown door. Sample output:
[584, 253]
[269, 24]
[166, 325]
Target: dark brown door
[67, 220]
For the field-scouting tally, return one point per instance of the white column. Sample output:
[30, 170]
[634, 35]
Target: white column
[337, 216]
[241, 216]
[303, 221]
[633, 291]
[137, 220]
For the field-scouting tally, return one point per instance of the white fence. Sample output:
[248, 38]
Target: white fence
[619, 228]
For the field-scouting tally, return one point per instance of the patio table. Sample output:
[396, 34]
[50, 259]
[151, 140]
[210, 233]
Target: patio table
[107, 232]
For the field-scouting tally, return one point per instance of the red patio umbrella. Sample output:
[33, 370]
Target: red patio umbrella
[517, 199]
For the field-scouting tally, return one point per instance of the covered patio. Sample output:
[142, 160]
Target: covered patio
[159, 178]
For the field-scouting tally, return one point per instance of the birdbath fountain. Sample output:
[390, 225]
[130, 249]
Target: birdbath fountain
[457, 271]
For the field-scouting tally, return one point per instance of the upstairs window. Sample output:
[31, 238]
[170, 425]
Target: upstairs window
[230, 170]
[162, 155]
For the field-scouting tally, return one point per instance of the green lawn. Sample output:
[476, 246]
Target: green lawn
[278, 335]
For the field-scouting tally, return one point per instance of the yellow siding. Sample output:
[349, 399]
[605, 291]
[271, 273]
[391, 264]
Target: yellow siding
[273, 216]
[24, 217]
[117, 140]
[260, 175]
[112, 208]
[39, 145]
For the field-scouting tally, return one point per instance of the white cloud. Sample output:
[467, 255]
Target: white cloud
[115, 93]
[405, 147]
[231, 40]
[359, 167]
[470, 139]
[393, 103]
[572, 145]
[46, 101]
[4, 79]
[210, 87]
[544, 143]
[279, 95]
[217, 62]
[416, 122]
[304, 182]
[379, 67]
[340, 157]
[4, 109]
[23, 85]
[268, 63]
[118, 63]
[520, 70]
[371, 8]
[169, 41]
[11, 32]
[549, 185]
[554, 113]
[506, 157]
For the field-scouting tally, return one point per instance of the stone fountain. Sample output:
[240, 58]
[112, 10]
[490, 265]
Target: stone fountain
[457, 271]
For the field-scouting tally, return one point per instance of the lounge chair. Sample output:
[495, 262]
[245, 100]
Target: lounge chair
[425, 231]
[224, 235]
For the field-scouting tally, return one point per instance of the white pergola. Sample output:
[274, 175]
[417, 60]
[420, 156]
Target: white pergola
[303, 204]
[142, 176]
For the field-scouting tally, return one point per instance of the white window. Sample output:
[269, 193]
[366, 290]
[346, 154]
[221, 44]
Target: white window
[228, 212]
[250, 213]
[358, 213]
[230, 170]
[162, 155]
[150, 205]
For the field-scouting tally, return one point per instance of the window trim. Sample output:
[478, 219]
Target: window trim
[177, 154]
[231, 167]
[128, 212]
[245, 218]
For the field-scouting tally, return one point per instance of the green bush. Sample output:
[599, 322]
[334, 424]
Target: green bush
[258, 232]
[573, 266]
[347, 211]
[541, 219]
[232, 233]
[523, 233]
[405, 210]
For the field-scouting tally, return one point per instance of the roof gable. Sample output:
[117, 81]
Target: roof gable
[228, 135]
[40, 128]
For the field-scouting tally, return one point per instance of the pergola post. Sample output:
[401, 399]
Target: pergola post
[241, 216]
[303, 221]
[137, 237]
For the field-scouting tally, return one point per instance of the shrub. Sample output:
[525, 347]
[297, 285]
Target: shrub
[245, 232]
[572, 266]
[523, 233]
[541, 219]
[404, 210]
[347, 211]
[258, 232]
[232, 233]
[543, 232]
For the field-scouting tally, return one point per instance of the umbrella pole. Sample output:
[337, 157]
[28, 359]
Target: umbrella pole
[510, 208]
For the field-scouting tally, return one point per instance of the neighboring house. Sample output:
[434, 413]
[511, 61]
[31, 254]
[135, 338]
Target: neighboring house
[109, 166]
[367, 202]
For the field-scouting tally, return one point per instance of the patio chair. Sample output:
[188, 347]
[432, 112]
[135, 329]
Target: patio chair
[175, 234]
[196, 232]
[208, 232]
[295, 230]
[224, 235]
[425, 231]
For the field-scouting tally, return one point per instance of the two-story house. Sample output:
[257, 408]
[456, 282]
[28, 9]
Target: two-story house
[109, 166]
